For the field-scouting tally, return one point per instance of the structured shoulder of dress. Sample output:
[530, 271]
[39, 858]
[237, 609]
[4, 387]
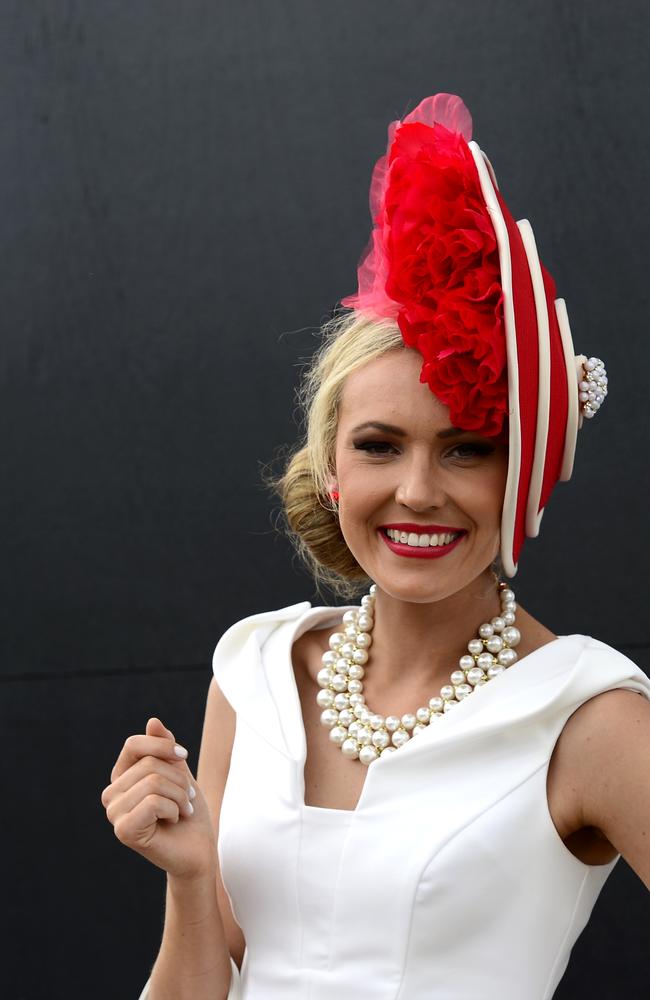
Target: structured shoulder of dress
[259, 625]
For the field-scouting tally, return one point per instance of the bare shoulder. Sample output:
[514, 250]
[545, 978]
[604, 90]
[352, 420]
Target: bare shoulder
[212, 773]
[606, 745]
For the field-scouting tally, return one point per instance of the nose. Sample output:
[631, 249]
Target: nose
[420, 487]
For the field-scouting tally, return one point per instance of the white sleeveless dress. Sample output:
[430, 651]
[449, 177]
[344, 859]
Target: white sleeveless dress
[449, 880]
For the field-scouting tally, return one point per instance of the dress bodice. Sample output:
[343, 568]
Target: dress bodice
[449, 880]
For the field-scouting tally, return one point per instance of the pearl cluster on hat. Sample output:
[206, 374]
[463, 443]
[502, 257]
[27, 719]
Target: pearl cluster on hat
[593, 388]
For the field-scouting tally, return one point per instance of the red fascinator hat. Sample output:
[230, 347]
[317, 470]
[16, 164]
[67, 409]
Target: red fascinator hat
[466, 286]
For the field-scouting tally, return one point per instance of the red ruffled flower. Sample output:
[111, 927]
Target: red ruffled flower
[432, 264]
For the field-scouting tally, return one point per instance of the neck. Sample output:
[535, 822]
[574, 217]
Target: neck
[421, 643]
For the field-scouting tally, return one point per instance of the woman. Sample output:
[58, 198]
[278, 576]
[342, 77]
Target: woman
[482, 775]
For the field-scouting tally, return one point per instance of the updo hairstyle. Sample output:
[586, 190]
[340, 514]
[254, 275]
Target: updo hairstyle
[349, 341]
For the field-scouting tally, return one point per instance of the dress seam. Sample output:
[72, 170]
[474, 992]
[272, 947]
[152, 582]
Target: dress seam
[430, 860]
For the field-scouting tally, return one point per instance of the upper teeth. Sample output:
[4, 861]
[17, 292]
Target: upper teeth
[412, 539]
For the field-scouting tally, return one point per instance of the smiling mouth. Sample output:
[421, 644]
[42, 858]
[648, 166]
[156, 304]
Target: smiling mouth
[427, 546]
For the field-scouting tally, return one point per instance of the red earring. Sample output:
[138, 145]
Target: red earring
[334, 495]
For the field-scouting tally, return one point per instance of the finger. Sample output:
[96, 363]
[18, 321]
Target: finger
[138, 746]
[156, 785]
[156, 728]
[133, 827]
[147, 765]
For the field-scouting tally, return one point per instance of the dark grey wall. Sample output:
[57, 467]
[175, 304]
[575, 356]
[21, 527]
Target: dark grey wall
[184, 199]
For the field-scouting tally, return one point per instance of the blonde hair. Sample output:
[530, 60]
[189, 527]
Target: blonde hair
[349, 340]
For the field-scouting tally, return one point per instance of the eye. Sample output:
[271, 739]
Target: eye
[471, 449]
[373, 447]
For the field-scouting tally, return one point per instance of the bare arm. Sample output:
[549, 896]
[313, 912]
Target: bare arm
[200, 932]
[610, 749]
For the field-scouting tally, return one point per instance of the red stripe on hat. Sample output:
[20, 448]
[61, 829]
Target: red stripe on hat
[528, 366]
[559, 403]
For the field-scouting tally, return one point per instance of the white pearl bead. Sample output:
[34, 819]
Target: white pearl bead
[360, 656]
[351, 632]
[475, 646]
[387, 750]
[494, 644]
[376, 721]
[350, 749]
[435, 715]
[350, 617]
[338, 734]
[408, 720]
[509, 617]
[400, 737]
[462, 690]
[507, 594]
[498, 624]
[485, 631]
[450, 704]
[381, 739]
[365, 716]
[364, 640]
[347, 649]
[447, 692]
[511, 635]
[466, 663]
[359, 709]
[346, 717]
[510, 606]
[372, 589]
[475, 675]
[367, 601]
[336, 640]
[354, 687]
[364, 736]
[356, 672]
[329, 658]
[458, 676]
[365, 623]
[507, 657]
[324, 676]
[419, 728]
[356, 698]
[423, 714]
[329, 717]
[353, 728]
[436, 704]
[367, 754]
[392, 722]
[325, 698]
[341, 701]
[342, 666]
[494, 671]
[339, 682]
[485, 660]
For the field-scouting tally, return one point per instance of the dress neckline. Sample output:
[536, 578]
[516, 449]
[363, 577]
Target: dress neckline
[322, 614]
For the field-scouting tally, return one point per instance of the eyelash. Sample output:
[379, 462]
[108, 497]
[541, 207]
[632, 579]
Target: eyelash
[478, 447]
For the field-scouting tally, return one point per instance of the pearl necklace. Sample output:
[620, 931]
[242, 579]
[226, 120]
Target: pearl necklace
[363, 734]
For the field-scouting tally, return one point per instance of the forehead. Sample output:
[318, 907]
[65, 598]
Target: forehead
[388, 389]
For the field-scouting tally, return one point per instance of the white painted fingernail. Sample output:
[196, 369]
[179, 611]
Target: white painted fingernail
[180, 751]
[192, 792]
[190, 807]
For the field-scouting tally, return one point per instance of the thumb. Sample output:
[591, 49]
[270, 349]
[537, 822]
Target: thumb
[156, 728]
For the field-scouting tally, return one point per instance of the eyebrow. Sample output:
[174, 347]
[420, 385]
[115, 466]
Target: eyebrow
[392, 429]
